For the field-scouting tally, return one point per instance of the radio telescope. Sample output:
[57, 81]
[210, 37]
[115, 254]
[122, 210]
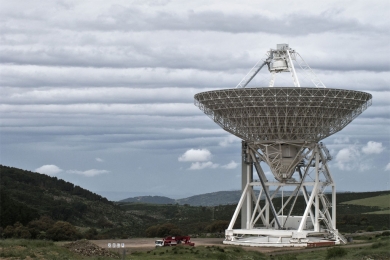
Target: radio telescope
[282, 127]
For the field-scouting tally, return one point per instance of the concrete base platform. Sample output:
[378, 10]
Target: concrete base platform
[277, 238]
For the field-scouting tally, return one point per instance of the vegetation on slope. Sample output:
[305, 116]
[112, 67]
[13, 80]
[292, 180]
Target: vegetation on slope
[27, 197]
[381, 201]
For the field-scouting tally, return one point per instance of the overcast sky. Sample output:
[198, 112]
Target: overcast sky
[100, 93]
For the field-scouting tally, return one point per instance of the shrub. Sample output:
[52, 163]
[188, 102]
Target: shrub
[17, 231]
[335, 252]
[386, 233]
[370, 228]
[377, 245]
[218, 226]
[44, 223]
[62, 230]
[8, 231]
[163, 230]
[91, 233]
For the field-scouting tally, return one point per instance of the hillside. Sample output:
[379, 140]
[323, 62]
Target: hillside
[26, 196]
[207, 199]
[150, 199]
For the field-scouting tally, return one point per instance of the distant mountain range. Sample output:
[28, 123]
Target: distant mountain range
[207, 199]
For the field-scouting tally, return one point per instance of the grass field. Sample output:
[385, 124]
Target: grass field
[382, 202]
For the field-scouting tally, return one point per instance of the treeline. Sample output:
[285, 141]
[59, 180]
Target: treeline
[18, 179]
[46, 228]
[26, 195]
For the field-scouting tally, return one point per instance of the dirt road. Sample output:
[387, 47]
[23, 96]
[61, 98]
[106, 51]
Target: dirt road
[146, 244]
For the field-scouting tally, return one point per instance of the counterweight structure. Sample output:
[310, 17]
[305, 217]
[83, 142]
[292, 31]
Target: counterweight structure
[282, 127]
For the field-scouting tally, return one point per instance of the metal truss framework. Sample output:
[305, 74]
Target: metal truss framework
[281, 127]
[275, 114]
[266, 226]
[281, 60]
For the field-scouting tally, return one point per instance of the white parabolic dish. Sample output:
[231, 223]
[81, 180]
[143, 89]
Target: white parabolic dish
[272, 114]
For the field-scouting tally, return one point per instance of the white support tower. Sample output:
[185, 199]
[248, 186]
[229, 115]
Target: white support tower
[310, 178]
[282, 127]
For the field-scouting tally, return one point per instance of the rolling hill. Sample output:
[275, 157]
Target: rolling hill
[26, 196]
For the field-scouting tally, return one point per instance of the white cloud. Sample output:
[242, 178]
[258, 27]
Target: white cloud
[88, 173]
[99, 159]
[229, 140]
[387, 167]
[195, 155]
[373, 148]
[341, 140]
[231, 165]
[49, 169]
[348, 158]
[202, 165]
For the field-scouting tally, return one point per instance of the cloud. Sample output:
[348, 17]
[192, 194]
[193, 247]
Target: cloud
[195, 155]
[348, 158]
[202, 165]
[387, 167]
[231, 165]
[49, 169]
[341, 140]
[229, 140]
[99, 159]
[373, 148]
[88, 173]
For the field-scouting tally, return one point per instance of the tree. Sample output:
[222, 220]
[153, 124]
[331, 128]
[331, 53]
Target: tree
[218, 226]
[44, 223]
[151, 231]
[62, 230]
[8, 231]
[103, 223]
[17, 231]
[163, 230]
[91, 233]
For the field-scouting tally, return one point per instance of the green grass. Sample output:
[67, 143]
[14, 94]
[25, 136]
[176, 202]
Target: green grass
[195, 253]
[22, 249]
[382, 201]
[386, 211]
[39, 249]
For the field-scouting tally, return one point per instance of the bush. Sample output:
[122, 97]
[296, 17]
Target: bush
[218, 226]
[44, 223]
[335, 252]
[163, 230]
[17, 231]
[91, 233]
[8, 231]
[377, 245]
[370, 228]
[62, 230]
[386, 233]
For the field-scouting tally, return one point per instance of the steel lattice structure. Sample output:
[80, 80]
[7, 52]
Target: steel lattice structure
[275, 114]
[282, 127]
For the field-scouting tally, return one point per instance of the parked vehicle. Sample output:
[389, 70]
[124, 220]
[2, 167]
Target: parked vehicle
[173, 241]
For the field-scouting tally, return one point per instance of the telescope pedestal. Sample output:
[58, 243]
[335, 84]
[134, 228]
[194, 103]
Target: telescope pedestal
[265, 224]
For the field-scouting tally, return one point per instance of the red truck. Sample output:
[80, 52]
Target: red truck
[173, 241]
